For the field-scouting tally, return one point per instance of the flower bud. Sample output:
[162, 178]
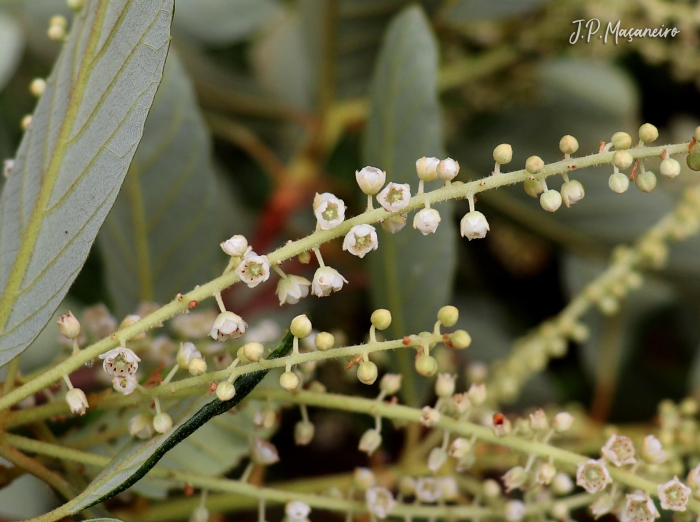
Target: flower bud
[648, 133]
[197, 366]
[618, 183]
[367, 372]
[394, 224]
[515, 478]
[474, 225]
[289, 381]
[265, 453]
[235, 246]
[622, 159]
[461, 403]
[491, 488]
[603, 505]
[395, 197]
[646, 181]
[390, 383]
[693, 161]
[534, 164]
[448, 315]
[572, 192]
[670, 168]
[460, 447]
[253, 351]
[381, 319]
[503, 153]
[370, 179]
[75, 5]
[562, 484]
[162, 422]
[301, 326]
[37, 87]
[538, 421]
[141, 426]
[407, 485]
[447, 169]
[303, 433]
[426, 365]
[568, 144]
[477, 393]
[533, 188]
[68, 325]
[225, 391]
[545, 473]
[460, 339]
[562, 422]
[445, 385]
[304, 258]
[77, 401]
[560, 511]
[550, 200]
[324, 341]
[426, 221]
[426, 168]
[621, 140]
[56, 32]
[652, 451]
[363, 479]
[370, 441]
[200, 513]
[514, 511]
[436, 459]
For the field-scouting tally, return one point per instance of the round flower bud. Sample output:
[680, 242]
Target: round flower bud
[304, 258]
[370, 179]
[545, 473]
[618, 183]
[59, 20]
[26, 122]
[514, 511]
[560, 511]
[427, 221]
[572, 192]
[447, 169]
[670, 168]
[77, 401]
[445, 385]
[381, 319]
[693, 161]
[648, 133]
[534, 164]
[503, 153]
[301, 326]
[197, 366]
[562, 484]
[646, 181]
[696, 134]
[491, 488]
[253, 351]
[568, 144]
[141, 426]
[235, 246]
[448, 315]
[37, 87]
[289, 381]
[367, 372]
[75, 5]
[303, 433]
[68, 325]
[56, 33]
[370, 441]
[426, 168]
[324, 341]
[225, 391]
[407, 485]
[538, 421]
[436, 459]
[390, 383]
[621, 140]
[622, 159]
[460, 339]
[162, 422]
[533, 188]
[550, 200]
[460, 447]
[426, 365]
[363, 479]
[474, 225]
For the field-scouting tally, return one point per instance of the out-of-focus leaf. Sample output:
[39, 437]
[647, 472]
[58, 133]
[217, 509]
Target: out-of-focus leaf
[411, 273]
[219, 22]
[103, 520]
[161, 236]
[11, 46]
[74, 156]
[25, 498]
[477, 10]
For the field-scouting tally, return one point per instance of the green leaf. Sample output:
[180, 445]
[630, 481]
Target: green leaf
[161, 236]
[476, 10]
[411, 273]
[73, 158]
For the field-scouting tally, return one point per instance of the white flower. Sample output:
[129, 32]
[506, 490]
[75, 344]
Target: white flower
[395, 196]
[428, 490]
[538, 421]
[235, 246]
[326, 281]
[693, 478]
[514, 478]
[361, 240]
[186, 353]
[329, 210]
[592, 475]
[447, 169]
[562, 484]
[7, 167]
[545, 473]
[550, 200]
[263, 452]
[448, 488]
[674, 495]
[639, 508]
[427, 221]
[426, 168]
[619, 450]
[445, 385]
[370, 441]
[68, 325]
[227, 326]
[370, 179]
[77, 401]
[254, 269]
[199, 514]
[572, 192]
[602, 506]
[363, 479]
[141, 426]
[474, 225]
[120, 362]
[429, 416]
[162, 422]
[461, 402]
[124, 384]
[562, 421]
[477, 393]
[297, 511]
[514, 511]
[292, 288]
[460, 447]
[380, 501]
[652, 451]
[394, 224]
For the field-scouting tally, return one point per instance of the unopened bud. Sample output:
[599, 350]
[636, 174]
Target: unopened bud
[197, 366]
[436, 459]
[426, 168]
[324, 341]
[621, 140]
[303, 433]
[162, 422]
[448, 315]
[37, 87]
[550, 200]
[390, 383]
[670, 168]
[618, 183]
[426, 365]
[622, 159]
[503, 153]
[648, 133]
[253, 351]
[534, 164]
[533, 188]
[562, 422]
[568, 144]
[367, 372]
[69, 325]
[225, 391]
[301, 326]
[445, 385]
[289, 381]
[381, 319]
[646, 181]
[460, 339]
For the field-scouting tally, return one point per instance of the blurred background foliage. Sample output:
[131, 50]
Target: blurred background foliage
[265, 102]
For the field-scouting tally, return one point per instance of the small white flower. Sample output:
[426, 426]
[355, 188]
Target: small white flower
[263, 452]
[562, 484]
[186, 353]
[426, 168]
[361, 240]
[297, 511]
[447, 169]
[395, 196]
[545, 473]
[445, 385]
[141, 426]
[235, 246]
[394, 224]
[7, 167]
[370, 441]
[380, 501]
[292, 288]
[326, 281]
[125, 384]
[619, 450]
[461, 402]
[427, 221]
[602, 506]
[474, 225]
[429, 416]
[674, 495]
[693, 478]
[572, 192]
[538, 421]
[390, 383]
[162, 422]
[199, 514]
[514, 478]
[68, 325]
[120, 362]
[477, 393]
[428, 490]
[562, 421]
[77, 401]
[652, 451]
[448, 488]
[639, 508]
[329, 210]
[370, 179]
[460, 447]
[254, 269]
[592, 475]
[514, 511]
[227, 326]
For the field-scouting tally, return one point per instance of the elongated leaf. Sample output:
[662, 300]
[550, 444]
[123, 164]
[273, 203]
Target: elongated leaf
[73, 159]
[411, 273]
[161, 236]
